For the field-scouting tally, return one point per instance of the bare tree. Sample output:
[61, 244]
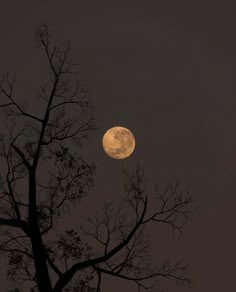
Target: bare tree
[41, 176]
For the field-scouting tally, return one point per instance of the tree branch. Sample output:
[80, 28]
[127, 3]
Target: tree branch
[22, 156]
[53, 266]
[11, 84]
[66, 277]
[16, 223]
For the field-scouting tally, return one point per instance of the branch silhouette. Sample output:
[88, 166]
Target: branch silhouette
[42, 177]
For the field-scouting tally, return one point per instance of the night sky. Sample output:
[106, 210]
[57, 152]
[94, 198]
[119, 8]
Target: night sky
[165, 70]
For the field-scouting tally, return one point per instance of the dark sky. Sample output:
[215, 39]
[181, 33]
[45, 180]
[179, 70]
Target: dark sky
[166, 70]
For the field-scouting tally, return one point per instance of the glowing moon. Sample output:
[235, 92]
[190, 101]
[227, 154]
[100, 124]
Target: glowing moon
[118, 142]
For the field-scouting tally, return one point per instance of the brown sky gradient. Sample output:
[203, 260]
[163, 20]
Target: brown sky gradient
[166, 70]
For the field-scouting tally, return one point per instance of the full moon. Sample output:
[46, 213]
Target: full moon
[118, 142]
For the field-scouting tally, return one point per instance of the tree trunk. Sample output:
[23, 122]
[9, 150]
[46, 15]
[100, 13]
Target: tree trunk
[43, 279]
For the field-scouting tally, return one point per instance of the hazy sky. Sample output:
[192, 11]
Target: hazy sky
[166, 70]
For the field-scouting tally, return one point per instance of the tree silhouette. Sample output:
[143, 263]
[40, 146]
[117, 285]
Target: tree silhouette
[42, 177]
